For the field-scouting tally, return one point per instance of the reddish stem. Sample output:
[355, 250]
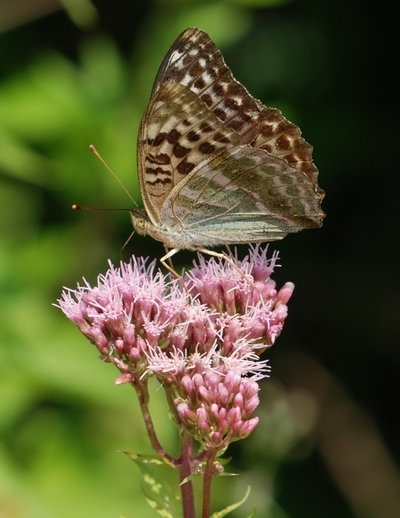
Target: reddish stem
[184, 463]
[185, 471]
[143, 397]
[207, 479]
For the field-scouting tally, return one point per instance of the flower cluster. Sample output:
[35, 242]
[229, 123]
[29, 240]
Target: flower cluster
[201, 338]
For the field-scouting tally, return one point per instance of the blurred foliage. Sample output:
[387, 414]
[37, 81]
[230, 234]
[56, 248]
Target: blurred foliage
[330, 415]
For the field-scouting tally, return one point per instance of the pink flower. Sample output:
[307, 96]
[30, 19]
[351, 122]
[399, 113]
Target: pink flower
[201, 339]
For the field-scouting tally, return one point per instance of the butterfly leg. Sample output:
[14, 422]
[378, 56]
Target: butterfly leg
[173, 251]
[228, 260]
[169, 265]
[126, 242]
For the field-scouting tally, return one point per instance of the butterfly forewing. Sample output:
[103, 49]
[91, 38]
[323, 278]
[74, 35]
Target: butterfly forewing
[215, 165]
[195, 61]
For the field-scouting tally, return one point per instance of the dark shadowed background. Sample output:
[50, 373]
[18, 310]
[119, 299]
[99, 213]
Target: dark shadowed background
[80, 73]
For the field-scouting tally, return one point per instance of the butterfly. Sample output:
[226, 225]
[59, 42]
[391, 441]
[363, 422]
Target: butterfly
[216, 166]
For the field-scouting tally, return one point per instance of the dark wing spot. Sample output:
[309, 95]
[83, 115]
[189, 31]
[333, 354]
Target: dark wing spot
[235, 125]
[199, 83]
[196, 69]
[185, 167]
[221, 114]
[162, 181]
[231, 103]
[205, 127]
[156, 171]
[220, 137]
[206, 148]
[180, 151]
[161, 158]
[157, 140]
[207, 99]
[282, 142]
[192, 136]
[173, 136]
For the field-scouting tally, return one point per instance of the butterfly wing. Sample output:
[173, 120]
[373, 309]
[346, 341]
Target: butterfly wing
[177, 134]
[236, 193]
[214, 162]
[194, 61]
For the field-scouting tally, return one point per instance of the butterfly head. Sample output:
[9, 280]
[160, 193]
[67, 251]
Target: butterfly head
[140, 221]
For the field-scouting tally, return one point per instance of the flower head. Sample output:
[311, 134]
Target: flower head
[201, 339]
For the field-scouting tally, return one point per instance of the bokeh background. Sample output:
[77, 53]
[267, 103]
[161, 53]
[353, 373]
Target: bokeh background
[74, 73]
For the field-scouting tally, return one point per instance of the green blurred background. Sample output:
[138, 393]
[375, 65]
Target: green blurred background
[77, 73]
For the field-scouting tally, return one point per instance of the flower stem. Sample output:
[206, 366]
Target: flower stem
[143, 398]
[187, 492]
[207, 479]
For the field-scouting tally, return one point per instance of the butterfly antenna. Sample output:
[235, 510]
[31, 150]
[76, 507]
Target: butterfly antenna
[95, 152]
[75, 206]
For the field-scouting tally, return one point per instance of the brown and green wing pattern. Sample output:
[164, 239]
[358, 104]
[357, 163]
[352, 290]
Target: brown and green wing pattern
[215, 165]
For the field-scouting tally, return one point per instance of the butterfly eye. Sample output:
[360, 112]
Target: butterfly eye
[140, 223]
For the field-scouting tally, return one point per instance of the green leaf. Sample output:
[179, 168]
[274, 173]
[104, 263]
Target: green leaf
[158, 493]
[253, 512]
[232, 507]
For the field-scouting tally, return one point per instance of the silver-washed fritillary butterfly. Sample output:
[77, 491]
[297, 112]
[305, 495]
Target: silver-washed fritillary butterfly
[216, 167]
